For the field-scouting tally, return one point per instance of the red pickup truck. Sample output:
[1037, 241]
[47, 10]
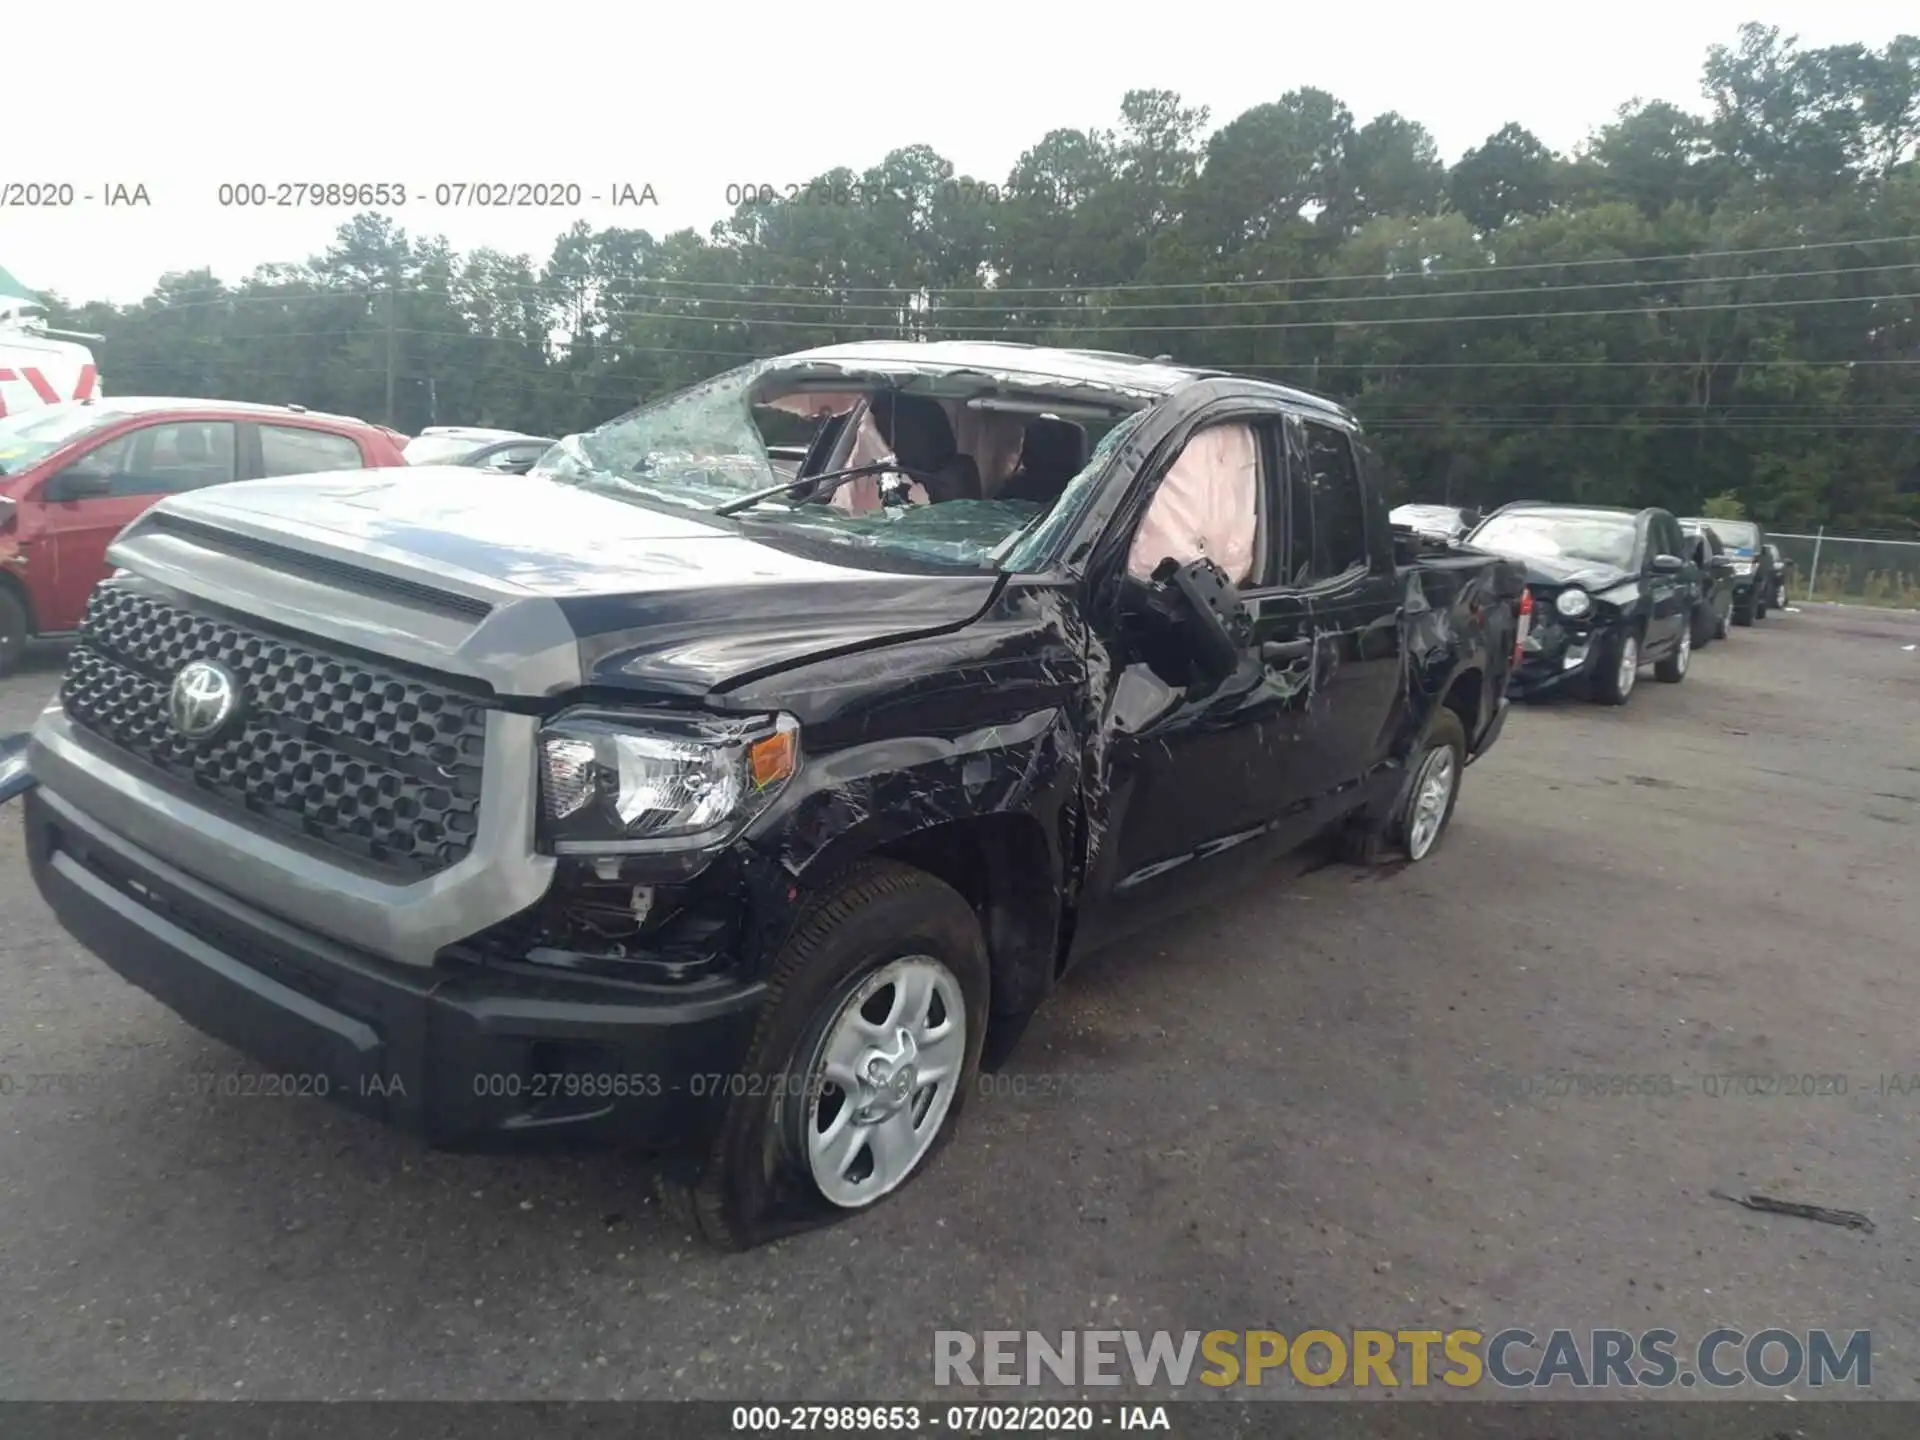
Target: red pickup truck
[73, 475]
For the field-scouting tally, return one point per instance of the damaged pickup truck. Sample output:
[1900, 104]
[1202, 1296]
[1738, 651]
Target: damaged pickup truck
[667, 798]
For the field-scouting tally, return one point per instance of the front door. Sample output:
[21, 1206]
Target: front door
[1671, 590]
[1195, 774]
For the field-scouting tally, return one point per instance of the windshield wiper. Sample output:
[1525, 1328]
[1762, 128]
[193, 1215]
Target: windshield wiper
[832, 479]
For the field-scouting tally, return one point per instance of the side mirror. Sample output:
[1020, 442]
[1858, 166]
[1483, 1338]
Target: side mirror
[1208, 610]
[1668, 564]
[78, 482]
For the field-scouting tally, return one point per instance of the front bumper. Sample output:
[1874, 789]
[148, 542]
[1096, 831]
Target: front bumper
[1555, 654]
[463, 1057]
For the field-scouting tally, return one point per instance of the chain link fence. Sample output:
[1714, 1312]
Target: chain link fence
[1851, 568]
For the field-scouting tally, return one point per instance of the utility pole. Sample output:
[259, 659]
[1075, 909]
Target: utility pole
[393, 351]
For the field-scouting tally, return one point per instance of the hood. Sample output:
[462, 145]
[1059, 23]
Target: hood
[652, 599]
[1570, 570]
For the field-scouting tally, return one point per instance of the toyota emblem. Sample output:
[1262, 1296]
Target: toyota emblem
[203, 700]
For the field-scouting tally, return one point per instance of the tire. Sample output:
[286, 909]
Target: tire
[1673, 669]
[1614, 677]
[1743, 614]
[757, 1183]
[1705, 624]
[13, 632]
[1415, 833]
[1759, 607]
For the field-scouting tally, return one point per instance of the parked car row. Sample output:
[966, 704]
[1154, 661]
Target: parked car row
[1616, 590]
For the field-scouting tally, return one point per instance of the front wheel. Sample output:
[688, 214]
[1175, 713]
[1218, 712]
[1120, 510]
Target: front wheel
[861, 1064]
[1618, 668]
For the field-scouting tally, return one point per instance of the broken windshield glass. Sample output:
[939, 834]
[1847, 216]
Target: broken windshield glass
[960, 532]
[1029, 549]
[698, 447]
[702, 447]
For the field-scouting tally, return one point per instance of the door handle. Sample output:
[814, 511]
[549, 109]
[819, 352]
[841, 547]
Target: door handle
[1279, 652]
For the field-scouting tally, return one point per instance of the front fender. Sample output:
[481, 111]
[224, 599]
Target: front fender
[15, 777]
[863, 797]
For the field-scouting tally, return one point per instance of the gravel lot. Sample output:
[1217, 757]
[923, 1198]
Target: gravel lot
[1285, 1113]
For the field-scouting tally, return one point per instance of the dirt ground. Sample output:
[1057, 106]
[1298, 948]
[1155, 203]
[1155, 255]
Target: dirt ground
[1329, 1104]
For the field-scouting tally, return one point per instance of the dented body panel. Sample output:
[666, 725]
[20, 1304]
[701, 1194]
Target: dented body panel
[1010, 728]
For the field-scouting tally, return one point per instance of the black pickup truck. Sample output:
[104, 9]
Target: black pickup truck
[668, 798]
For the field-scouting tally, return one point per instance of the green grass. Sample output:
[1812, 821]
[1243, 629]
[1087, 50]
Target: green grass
[1890, 589]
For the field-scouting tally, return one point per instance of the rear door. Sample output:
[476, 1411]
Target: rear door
[272, 450]
[1342, 559]
[140, 466]
[1672, 592]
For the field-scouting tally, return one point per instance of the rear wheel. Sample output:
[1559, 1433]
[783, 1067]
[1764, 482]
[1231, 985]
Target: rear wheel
[1673, 669]
[1434, 790]
[1705, 626]
[1618, 668]
[1420, 814]
[864, 1055]
[13, 631]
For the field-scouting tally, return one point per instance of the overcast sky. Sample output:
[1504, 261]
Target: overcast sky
[184, 96]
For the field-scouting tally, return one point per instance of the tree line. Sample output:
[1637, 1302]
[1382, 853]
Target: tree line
[1690, 309]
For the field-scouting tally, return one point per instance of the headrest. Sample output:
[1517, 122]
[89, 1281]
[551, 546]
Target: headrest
[917, 428]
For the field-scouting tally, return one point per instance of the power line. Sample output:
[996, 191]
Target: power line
[1531, 265]
[1378, 413]
[940, 312]
[548, 288]
[1274, 325]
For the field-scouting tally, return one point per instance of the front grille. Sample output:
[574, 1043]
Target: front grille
[379, 766]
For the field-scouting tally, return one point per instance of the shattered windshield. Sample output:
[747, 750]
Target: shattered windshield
[702, 447]
[698, 447]
[1024, 551]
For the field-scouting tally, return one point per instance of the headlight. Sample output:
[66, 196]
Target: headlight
[1743, 567]
[612, 784]
[1573, 603]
